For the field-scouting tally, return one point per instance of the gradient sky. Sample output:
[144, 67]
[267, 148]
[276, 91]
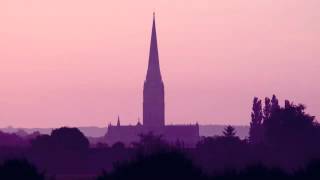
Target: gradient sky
[83, 62]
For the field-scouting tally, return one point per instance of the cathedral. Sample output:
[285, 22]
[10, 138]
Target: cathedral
[153, 109]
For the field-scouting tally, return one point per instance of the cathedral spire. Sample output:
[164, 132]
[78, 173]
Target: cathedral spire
[153, 89]
[153, 72]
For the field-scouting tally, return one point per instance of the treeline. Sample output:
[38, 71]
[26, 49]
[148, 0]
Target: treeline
[290, 134]
[284, 137]
[283, 142]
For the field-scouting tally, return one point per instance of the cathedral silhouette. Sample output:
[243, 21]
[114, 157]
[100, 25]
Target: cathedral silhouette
[153, 109]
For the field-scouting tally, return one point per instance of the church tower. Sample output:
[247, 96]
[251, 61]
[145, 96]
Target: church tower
[153, 90]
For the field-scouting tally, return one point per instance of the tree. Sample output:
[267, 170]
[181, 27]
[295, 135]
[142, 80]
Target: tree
[293, 133]
[229, 131]
[69, 138]
[12, 140]
[274, 103]
[266, 109]
[42, 143]
[255, 132]
[289, 124]
[218, 153]
[64, 151]
[150, 143]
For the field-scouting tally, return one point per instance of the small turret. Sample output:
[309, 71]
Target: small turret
[139, 123]
[118, 122]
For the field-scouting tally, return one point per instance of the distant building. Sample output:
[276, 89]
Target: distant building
[153, 109]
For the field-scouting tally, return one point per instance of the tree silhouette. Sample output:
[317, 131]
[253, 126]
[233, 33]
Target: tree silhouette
[69, 138]
[229, 131]
[42, 142]
[274, 103]
[294, 135]
[64, 151]
[288, 123]
[255, 132]
[218, 153]
[12, 140]
[266, 109]
[150, 143]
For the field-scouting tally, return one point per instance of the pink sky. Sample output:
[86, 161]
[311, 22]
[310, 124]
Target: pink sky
[66, 62]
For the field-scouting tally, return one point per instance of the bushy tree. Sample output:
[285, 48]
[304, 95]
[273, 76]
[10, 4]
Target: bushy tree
[62, 139]
[64, 151]
[289, 124]
[292, 134]
[229, 131]
[69, 138]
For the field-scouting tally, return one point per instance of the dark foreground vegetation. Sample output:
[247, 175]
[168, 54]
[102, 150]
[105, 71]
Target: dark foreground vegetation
[19, 169]
[283, 143]
[175, 165]
[166, 165]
